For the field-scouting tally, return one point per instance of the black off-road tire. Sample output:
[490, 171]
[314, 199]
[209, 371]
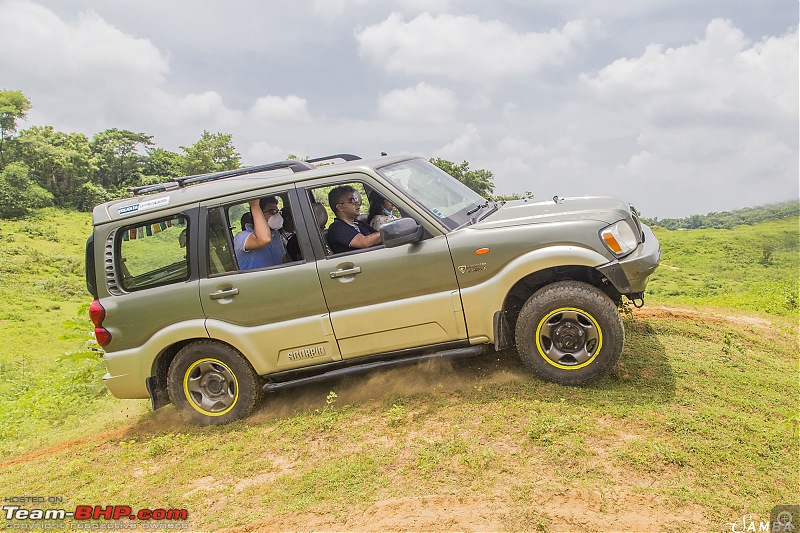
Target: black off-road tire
[210, 383]
[569, 332]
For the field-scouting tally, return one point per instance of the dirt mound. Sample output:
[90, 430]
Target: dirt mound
[691, 314]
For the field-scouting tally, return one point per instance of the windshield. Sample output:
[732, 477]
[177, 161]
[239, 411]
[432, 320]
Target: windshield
[435, 190]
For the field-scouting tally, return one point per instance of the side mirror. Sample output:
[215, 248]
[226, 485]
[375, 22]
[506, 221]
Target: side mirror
[401, 231]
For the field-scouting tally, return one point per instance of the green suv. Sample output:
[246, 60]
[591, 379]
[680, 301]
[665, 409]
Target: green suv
[453, 275]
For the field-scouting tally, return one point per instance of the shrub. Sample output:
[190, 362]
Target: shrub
[19, 195]
[90, 195]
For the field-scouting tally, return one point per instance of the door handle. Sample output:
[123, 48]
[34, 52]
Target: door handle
[345, 272]
[223, 294]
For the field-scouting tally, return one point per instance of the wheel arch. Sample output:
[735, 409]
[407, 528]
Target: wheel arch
[157, 382]
[506, 318]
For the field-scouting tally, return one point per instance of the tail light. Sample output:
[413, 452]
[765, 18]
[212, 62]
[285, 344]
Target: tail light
[97, 313]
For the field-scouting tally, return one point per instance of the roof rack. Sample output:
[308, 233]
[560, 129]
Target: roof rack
[296, 165]
[176, 183]
[345, 157]
[156, 187]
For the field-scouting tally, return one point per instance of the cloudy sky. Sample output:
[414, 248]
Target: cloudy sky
[680, 106]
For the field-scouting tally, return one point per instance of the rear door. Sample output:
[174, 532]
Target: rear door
[275, 316]
[152, 280]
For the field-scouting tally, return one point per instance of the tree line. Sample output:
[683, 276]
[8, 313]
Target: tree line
[747, 216]
[41, 166]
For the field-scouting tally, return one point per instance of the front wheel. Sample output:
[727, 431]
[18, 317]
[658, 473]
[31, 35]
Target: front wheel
[211, 383]
[569, 332]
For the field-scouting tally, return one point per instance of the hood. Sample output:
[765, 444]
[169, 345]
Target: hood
[605, 209]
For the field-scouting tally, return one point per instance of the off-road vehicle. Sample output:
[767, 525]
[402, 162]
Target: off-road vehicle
[456, 275]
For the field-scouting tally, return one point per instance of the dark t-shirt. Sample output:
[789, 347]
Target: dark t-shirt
[293, 248]
[341, 234]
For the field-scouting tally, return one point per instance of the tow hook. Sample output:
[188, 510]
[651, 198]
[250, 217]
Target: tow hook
[638, 302]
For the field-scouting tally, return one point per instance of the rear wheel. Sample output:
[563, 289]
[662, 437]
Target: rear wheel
[569, 332]
[211, 383]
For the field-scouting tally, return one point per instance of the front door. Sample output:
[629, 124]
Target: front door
[386, 299]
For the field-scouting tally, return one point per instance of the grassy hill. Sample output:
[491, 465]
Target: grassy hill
[695, 428]
[753, 268]
[43, 397]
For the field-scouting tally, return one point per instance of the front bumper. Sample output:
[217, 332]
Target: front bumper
[629, 275]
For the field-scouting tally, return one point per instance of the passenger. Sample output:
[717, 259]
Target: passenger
[289, 235]
[259, 244]
[346, 233]
[380, 211]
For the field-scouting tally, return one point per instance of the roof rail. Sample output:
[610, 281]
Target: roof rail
[156, 187]
[296, 165]
[345, 157]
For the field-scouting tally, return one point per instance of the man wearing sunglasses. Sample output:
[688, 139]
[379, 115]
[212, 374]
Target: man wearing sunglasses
[347, 233]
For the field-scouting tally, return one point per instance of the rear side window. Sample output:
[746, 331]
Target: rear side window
[230, 225]
[153, 253]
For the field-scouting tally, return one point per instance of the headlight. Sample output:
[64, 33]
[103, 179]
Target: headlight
[619, 238]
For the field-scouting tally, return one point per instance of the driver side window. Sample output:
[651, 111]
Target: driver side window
[349, 216]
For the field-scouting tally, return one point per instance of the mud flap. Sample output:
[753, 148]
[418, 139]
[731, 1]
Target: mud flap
[503, 334]
[158, 398]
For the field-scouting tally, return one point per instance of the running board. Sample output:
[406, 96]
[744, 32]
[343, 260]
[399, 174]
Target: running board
[457, 353]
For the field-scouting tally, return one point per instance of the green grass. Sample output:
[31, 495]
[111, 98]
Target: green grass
[697, 426]
[41, 264]
[753, 268]
[683, 422]
[44, 400]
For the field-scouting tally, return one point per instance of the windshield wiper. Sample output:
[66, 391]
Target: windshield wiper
[492, 210]
[480, 206]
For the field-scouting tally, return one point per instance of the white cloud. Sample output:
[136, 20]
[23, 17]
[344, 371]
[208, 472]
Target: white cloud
[465, 48]
[264, 152]
[204, 107]
[422, 103]
[722, 74]
[276, 108]
[92, 74]
[466, 147]
[88, 49]
[516, 145]
[714, 116]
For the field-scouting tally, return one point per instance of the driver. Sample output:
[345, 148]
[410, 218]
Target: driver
[347, 233]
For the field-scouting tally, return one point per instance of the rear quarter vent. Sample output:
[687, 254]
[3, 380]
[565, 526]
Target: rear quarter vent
[91, 275]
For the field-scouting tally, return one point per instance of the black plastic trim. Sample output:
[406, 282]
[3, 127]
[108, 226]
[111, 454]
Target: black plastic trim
[294, 164]
[616, 275]
[457, 353]
[345, 157]
[503, 336]
[91, 271]
[158, 398]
